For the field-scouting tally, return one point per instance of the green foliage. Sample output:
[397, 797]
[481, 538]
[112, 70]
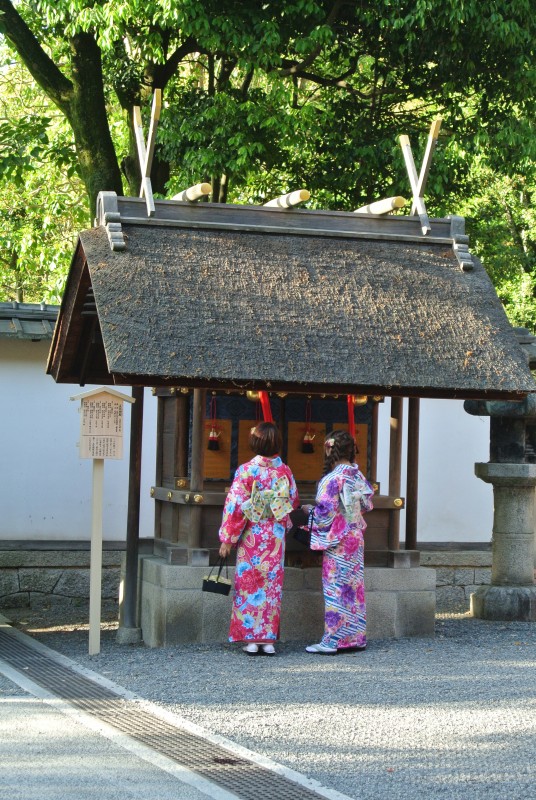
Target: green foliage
[42, 202]
[262, 98]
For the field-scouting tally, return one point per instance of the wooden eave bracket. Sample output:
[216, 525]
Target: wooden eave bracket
[108, 215]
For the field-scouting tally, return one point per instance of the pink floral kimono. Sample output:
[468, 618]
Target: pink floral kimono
[337, 529]
[255, 516]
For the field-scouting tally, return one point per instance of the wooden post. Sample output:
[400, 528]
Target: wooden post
[427, 160]
[146, 188]
[95, 570]
[412, 491]
[128, 617]
[145, 154]
[289, 200]
[414, 181]
[197, 463]
[282, 427]
[382, 206]
[395, 468]
[101, 437]
[193, 193]
[151, 138]
[183, 432]
[159, 465]
[374, 444]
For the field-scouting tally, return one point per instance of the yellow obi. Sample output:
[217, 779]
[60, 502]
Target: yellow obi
[265, 503]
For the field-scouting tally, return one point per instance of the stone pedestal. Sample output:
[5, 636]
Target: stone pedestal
[512, 594]
[128, 635]
[174, 610]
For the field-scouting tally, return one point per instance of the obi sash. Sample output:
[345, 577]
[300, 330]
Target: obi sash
[265, 503]
[351, 495]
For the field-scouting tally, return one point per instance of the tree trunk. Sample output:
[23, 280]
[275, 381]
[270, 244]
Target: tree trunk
[87, 116]
[80, 98]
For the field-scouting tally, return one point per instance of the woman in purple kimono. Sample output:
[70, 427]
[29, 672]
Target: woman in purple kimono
[337, 528]
[255, 517]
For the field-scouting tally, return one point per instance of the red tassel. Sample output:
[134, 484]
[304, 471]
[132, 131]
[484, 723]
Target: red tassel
[351, 415]
[265, 405]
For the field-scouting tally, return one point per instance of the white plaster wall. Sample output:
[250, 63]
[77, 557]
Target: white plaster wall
[45, 488]
[454, 505]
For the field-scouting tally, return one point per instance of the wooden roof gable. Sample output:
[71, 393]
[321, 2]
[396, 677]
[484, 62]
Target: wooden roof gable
[235, 297]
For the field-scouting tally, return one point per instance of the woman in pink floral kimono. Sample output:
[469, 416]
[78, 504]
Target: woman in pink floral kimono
[255, 517]
[337, 528]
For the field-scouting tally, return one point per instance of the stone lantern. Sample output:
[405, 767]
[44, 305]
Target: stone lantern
[512, 472]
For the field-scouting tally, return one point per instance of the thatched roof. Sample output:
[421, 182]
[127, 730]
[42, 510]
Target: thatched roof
[210, 301]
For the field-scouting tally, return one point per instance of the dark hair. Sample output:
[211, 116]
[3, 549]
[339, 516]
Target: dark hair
[343, 446]
[265, 439]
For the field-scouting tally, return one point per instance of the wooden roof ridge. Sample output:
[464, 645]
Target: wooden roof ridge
[116, 213]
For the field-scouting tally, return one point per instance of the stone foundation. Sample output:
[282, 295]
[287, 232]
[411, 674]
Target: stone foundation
[459, 573]
[174, 610]
[34, 578]
[60, 576]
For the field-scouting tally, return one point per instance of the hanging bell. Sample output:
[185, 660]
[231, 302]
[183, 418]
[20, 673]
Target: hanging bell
[307, 443]
[213, 437]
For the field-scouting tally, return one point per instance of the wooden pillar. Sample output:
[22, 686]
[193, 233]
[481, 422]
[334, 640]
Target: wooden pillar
[130, 586]
[197, 463]
[282, 427]
[159, 463]
[374, 443]
[412, 489]
[183, 431]
[395, 468]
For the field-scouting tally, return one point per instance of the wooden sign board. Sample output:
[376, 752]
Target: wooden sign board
[101, 426]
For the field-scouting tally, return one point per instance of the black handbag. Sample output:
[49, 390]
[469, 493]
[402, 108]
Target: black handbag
[217, 583]
[299, 519]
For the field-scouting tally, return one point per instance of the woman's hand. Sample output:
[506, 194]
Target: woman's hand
[225, 549]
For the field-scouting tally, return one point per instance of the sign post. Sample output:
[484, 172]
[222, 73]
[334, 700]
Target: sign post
[101, 437]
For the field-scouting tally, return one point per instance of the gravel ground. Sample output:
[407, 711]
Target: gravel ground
[450, 717]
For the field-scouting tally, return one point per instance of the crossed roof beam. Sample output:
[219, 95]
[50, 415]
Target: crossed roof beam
[291, 199]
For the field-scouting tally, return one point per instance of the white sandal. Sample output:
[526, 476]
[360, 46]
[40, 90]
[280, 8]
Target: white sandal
[251, 649]
[322, 649]
[268, 649]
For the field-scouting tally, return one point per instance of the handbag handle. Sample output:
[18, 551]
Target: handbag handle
[222, 562]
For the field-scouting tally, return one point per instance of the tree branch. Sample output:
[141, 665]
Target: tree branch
[244, 88]
[339, 82]
[313, 55]
[39, 64]
[163, 73]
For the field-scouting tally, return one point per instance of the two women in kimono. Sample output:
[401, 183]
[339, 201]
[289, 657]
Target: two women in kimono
[256, 517]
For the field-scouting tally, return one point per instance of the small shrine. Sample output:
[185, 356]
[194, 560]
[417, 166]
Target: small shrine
[232, 313]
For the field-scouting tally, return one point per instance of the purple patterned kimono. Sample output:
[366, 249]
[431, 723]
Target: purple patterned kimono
[337, 529]
[255, 517]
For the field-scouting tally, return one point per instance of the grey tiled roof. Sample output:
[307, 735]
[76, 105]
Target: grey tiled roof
[27, 320]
